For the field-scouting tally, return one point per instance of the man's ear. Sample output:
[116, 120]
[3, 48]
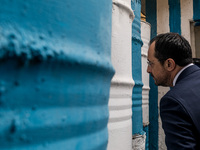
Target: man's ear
[170, 64]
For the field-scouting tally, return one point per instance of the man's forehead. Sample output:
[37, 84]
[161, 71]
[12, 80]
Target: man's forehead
[151, 51]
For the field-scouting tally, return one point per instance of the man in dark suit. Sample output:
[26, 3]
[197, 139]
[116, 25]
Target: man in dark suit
[170, 64]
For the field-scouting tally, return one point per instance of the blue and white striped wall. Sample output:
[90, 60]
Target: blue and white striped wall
[163, 16]
[128, 107]
[56, 73]
[57, 60]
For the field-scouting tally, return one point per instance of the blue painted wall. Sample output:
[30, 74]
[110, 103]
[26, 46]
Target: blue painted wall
[151, 17]
[196, 10]
[137, 123]
[55, 74]
[174, 16]
[146, 130]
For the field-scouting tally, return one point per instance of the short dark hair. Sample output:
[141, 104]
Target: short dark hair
[172, 45]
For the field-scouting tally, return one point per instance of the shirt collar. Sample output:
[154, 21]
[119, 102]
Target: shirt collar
[177, 75]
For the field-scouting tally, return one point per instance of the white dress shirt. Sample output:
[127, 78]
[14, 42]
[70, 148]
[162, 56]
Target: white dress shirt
[177, 75]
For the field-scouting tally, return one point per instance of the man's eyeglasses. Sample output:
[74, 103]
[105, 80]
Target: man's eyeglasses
[149, 63]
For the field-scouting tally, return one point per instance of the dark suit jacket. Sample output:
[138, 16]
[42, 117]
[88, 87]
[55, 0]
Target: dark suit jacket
[180, 112]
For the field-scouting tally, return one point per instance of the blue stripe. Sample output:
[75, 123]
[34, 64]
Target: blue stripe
[153, 115]
[196, 10]
[137, 124]
[175, 16]
[146, 129]
[151, 12]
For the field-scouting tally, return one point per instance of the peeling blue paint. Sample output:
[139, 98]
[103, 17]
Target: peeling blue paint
[151, 17]
[55, 74]
[175, 16]
[196, 10]
[146, 129]
[137, 123]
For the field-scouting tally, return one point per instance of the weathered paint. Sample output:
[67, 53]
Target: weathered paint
[146, 129]
[137, 123]
[196, 9]
[186, 18]
[120, 102]
[151, 17]
[55, 74]
[136, 70]
[145, 35]
[174, 16]
[139, 141]
[162, 16]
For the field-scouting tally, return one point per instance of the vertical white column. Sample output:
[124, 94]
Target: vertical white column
[145, 35]
[162, 16]
[186, 17]
[120, 102]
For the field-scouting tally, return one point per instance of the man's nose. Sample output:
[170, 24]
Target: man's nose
[148, 69]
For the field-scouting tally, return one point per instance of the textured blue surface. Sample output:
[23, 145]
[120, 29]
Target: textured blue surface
[146, 129]
[196, 10]
[151, 11]
[137, 124]
[55, 74]
[175, 16]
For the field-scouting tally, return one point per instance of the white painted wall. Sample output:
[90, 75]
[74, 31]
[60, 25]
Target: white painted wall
[161, 135]
[162, 16]
[145, 36]
[120, 102]
[186, 17]
[187, 28]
